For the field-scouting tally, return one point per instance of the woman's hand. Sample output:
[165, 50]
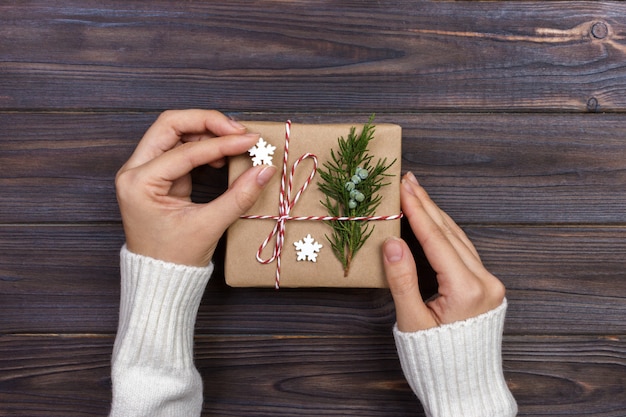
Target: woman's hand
[466, 288]
[154, 186]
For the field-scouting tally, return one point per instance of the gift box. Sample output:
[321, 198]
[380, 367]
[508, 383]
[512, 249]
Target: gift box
[302, 262]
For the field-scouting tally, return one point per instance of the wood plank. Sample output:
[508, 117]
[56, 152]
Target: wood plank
[560, 280]
[502, 105]
[56, 375]
[61, 167]
[310, 56]
[566, 375]
[505, 168]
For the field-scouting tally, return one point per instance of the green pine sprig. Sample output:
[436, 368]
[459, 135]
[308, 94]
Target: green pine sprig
[350, 182]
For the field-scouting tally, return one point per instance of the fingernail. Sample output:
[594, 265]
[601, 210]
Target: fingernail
[392, 250]
[236, 124]
[264, 176]
[412, 178]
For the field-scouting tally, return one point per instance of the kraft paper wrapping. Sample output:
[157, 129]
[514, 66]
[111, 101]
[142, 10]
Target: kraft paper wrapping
[245, 236]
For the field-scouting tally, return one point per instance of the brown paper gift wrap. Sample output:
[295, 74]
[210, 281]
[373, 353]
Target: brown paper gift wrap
[245, 236]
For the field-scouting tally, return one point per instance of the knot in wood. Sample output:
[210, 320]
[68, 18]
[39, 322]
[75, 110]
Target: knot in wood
[599, 30]
[592, 104]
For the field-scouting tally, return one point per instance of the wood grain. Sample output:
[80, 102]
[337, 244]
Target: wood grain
[311, 56]
[513, 119]
[309, 376]
[487, 169]
[71, 284]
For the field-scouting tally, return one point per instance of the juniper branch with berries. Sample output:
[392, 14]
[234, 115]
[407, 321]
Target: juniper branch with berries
[350, 182]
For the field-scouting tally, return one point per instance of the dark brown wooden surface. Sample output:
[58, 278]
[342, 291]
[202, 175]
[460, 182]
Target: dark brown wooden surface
[254, 375]
[512, 116]
[482, 168]
[267, 55]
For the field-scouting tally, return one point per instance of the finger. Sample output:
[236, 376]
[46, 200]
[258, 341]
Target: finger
[442, 254]
[451, 231]
[455, 234]
[401, 273]
[181, 160]
[218, 163]
[460, 234]
[170, 127]
[240, 196]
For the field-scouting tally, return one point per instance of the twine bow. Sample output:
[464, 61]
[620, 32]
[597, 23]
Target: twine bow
[285, 204]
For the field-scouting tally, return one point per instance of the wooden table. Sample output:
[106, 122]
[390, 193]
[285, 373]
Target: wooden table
[513, 119]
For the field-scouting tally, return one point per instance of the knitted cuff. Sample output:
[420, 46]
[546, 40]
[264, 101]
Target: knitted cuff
[158, 306]
[456, 369]
[152, 366]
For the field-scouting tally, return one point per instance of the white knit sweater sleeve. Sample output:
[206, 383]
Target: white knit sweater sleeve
[456, 369]
[153, 373]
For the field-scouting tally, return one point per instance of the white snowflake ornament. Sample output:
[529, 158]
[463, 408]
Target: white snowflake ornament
[262, 153]
[307, 249]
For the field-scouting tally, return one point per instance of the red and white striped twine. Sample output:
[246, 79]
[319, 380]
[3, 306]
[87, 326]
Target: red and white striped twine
[286, 203]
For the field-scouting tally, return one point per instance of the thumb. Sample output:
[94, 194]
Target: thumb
[411, 312]
[240, 196]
